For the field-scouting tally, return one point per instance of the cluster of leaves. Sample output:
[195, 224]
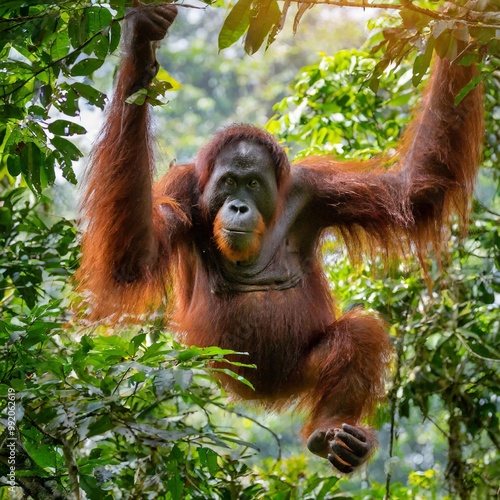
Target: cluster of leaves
[425, 27]
[332, 108]
[50, 50]
[461, 32]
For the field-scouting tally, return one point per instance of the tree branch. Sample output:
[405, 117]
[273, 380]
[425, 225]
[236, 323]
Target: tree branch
[470, 18]
[376, 5]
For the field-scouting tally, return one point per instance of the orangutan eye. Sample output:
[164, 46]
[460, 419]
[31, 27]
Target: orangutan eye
[254, 183]
[229, 181]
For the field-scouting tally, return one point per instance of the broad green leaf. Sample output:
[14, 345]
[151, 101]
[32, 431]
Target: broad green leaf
[422, 63]
[101, 46]
[96, 18]
[14, 165]
[77, 30]
[68, 102]
[208, 459]
[114, 36]
[476, 80]
[136, 343]
[189, 353]
[32, 160]
[92, 95]
[175, 484]
[164, 77]
[138, 98]
[102, 425]
[10, 111]
[267, 15]
[47, 172]
[46, 95]
[164, 382]
[235, 24]
[60, 45]
[66, 148]
[86, 67]
[43, 29]
[66, 128]
[183, 378]
[447, 45]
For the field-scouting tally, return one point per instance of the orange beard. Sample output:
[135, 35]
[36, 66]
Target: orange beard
[236, 253]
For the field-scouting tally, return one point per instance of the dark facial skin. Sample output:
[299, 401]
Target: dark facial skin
[242, 194]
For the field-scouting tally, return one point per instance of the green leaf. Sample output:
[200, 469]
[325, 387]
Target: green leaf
[10, 111]
[59, 46]
[14, 165]
[92, 488]
[446, 45]
[47, 172]
[86, 67]
[77, 30]
[92, 95]
[183, 378]
[422, 63]
[235, 24]
[32, 160]
[114, 36]
[268, 14]
[168, 82]
[164, 381]
[96, 18]
[189, 353]
[45, 95]
[138, 98]
[101, 426]
[136, 343]
[476, 80]
[175, 484]
[66, 128]
[44, 28]
[66, 148]
[68, 102]
[101, 46]
[208, 459]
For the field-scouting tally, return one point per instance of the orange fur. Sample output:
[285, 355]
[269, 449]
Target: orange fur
[141, 240]
[403, 209]
[348, 371]
[238, 254]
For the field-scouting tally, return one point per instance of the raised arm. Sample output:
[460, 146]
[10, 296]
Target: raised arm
[125, 241]
[432, 176]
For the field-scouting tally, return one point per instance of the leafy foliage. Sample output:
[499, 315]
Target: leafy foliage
[51, 50]
[333, 109]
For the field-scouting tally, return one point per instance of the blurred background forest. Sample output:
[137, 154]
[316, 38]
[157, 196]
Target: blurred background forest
[130, 413]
